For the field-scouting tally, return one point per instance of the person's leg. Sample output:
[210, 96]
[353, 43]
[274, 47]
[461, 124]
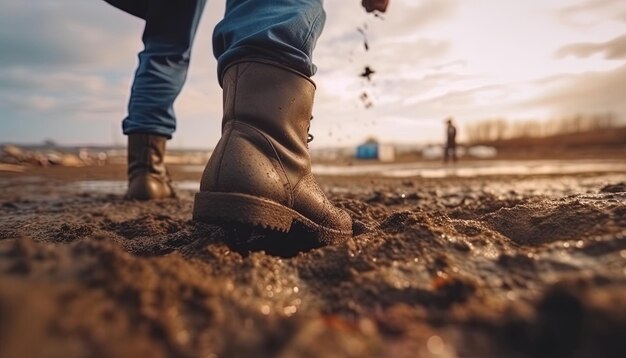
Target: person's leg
[168, 36]
[277, 31]
[260, 171]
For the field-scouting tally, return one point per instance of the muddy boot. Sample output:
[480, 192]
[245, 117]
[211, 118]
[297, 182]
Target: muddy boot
[147, 176]
[260, 171]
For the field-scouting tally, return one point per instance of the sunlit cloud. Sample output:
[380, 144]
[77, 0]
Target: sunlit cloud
[67, 65]
[592, 12]
[613, 50]
[587, 93]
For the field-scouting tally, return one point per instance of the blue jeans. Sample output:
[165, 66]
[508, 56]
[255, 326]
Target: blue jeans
[279, 31]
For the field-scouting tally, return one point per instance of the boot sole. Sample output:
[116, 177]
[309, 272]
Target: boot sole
[211, 207]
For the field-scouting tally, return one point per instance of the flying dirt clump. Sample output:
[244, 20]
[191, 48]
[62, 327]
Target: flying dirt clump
[367, 73]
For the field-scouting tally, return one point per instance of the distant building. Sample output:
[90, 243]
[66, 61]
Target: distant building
[482, 152]
[367, 151]
[374, 150]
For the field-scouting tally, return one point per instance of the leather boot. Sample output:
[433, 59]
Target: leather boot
[147, 176]
[260, 171]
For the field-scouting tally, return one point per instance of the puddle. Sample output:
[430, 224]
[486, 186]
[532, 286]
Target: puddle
[476, 169]
[466, 170]
[403, 170]
[119, 186]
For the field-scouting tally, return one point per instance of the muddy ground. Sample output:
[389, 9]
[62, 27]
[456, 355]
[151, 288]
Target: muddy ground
[491, 267]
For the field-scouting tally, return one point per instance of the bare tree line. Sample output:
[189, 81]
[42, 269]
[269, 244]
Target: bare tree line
[497, 129]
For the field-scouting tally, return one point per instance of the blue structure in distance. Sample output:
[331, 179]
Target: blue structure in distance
[367, 150]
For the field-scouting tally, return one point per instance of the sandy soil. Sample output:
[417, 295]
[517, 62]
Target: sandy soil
[490, 267]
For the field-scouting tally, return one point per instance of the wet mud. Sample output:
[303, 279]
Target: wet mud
[491, 267]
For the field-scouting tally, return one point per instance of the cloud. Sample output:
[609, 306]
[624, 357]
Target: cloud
[42, 102]
[66, 34]
[66, 67]
[418, 49]
[410, 16]
[470, 103]
[590, 92]
[19, 78]
[614, 49]
[586, 6]
[403, 16]
[400, 51]
[402, 23]
[593, 12]
[69, 64]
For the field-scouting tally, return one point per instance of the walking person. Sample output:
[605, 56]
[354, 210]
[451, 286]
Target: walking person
[260, 171]
[450, 148]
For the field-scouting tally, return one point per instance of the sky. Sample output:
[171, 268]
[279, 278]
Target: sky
[66, 67]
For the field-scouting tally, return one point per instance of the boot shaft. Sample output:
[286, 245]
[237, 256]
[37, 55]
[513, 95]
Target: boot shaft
[263, 149]
[146, 154]
[274, 99]
[148, 178]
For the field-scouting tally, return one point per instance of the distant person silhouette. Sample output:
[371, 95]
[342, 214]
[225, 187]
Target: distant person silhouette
[260, 171]
[450, 148]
